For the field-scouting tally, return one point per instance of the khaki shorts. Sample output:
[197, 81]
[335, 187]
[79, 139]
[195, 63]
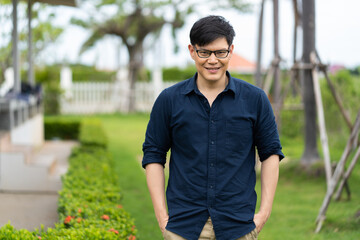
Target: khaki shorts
[208, 234]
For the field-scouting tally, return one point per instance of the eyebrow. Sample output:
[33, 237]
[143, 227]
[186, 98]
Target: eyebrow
[223, 49]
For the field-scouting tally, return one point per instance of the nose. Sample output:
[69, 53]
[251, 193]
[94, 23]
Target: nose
[212, 58]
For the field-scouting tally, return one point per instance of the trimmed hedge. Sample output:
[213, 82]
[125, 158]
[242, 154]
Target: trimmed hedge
[89, 202]
[92, 134]
[61, 129]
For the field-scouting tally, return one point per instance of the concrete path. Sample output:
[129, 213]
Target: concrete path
[28, 210]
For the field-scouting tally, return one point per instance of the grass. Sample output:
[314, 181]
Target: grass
[126, 134]
[298, 198]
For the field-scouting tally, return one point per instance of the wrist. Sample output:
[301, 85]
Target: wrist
[162, 217]
[265, 214]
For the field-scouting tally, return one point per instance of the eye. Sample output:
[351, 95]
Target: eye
[221, 52]
[203, 52]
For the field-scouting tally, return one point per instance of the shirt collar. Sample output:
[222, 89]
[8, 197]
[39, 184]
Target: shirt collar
[192, 87]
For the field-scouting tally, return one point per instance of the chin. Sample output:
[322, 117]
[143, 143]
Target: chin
[214, 77]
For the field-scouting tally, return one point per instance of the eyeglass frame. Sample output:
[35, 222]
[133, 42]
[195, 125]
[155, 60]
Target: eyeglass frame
[211, 52]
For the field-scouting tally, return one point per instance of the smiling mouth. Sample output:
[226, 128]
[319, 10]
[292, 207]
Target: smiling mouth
[212, 69]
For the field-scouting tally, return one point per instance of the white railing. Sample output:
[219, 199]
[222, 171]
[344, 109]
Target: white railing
[96, 97]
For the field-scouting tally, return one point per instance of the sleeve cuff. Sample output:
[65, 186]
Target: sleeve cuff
[266, 155]
[154, 157]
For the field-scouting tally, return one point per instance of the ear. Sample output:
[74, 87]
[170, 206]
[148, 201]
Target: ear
[231, 50]
[192, 51]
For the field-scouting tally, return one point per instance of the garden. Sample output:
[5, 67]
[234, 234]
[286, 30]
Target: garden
[89, 204]
[298, 197]
[105, 195]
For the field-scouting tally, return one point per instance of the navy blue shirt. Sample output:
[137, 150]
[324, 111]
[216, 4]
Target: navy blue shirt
[212, 155]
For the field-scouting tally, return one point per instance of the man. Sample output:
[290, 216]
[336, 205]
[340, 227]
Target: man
[212, 124]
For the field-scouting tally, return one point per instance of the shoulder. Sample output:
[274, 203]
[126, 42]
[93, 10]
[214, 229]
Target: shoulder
[246, 90]
[177, 88]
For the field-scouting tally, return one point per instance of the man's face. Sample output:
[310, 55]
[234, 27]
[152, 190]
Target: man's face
[211, 69]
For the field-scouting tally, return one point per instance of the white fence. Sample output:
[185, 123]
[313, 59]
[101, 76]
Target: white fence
[96, 97]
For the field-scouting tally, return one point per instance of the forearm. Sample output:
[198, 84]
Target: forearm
[156, 183]
[269, 180]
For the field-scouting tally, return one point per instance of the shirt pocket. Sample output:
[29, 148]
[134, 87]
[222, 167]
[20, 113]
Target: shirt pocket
[239, 136]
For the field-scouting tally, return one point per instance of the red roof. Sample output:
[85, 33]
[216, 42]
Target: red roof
[241, 65]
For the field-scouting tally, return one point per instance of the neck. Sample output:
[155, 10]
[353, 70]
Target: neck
[219, 85]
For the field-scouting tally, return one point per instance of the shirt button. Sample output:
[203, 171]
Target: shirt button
[212, 142]
[211, 186]
[211, 164]
[212, 121]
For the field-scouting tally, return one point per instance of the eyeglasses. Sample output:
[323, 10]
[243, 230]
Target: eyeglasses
[207, 53]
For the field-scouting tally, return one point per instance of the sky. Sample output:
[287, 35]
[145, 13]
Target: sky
[337, 37]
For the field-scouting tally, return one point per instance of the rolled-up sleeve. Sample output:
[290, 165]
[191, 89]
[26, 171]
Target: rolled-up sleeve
[266, 133]
[157, 138]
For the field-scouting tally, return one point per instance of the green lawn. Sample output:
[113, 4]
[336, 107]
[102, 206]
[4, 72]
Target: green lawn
[126, 135]
[298, 198]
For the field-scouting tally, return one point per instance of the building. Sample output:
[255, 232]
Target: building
[23, 166]
[241, 65]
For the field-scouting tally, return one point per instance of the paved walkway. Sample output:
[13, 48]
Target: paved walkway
[28, 210]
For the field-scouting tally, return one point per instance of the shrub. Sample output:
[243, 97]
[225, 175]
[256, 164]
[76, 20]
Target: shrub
[89, 202]
[92, 134]
[348, 89]
[178, 74]
[8, 232]
[84, 73]
[52, 93]
[61, 129]
[246, 77]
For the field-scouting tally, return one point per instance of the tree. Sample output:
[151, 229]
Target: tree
[44, 32]
[134, 20]
[5, 38]
[311, 153]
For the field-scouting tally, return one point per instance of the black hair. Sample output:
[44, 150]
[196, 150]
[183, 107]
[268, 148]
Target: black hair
[210, 28]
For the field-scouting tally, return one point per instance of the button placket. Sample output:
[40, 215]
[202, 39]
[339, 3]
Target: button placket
[212, 156]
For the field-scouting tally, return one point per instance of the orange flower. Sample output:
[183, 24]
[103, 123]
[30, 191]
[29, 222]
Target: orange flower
[132, 237]
[119, 206]
[113, 230]
[67, 220]
[79, 210]
[78, 219]
[39, 237]
[133, 228]
[105, 217]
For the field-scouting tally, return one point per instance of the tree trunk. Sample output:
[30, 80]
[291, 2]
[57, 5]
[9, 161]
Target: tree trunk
[135, 64]
[277, 83]
[310, 154]
[258, 74]
[296, 25]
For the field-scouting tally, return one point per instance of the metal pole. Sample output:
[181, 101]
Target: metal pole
[30, 47]
[15, 49]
